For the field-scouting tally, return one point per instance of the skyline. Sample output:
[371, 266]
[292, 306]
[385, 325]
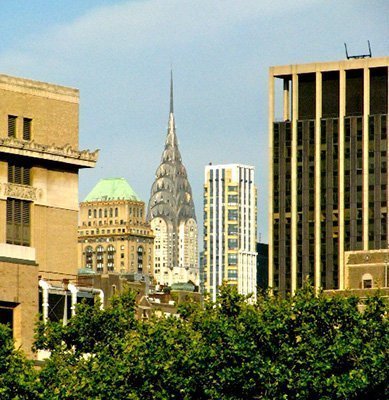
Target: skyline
[119, 54]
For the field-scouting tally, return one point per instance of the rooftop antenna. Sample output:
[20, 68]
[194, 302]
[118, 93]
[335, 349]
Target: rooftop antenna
[358, 55]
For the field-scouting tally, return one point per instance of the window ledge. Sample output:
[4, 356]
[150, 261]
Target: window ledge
[17, 254]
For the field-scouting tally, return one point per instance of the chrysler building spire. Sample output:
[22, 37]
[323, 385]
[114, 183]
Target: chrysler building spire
[171, 93]
[172, 215]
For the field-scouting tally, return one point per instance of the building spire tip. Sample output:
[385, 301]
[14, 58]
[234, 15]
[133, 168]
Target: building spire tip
[171, 91]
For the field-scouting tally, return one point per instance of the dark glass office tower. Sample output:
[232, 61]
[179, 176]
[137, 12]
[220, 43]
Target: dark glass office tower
[328, 169]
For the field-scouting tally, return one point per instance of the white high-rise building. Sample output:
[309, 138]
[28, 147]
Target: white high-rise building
[230, 228]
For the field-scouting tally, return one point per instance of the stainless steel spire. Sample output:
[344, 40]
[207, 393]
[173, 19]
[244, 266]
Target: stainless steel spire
[171, 194]
[171, 93]
[171, 209]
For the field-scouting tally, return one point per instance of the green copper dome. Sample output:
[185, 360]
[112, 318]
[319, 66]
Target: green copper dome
[112, 189]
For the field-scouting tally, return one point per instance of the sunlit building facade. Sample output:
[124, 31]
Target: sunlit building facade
[230, 215]
[113, 235]
[39, 164]
[328, 169]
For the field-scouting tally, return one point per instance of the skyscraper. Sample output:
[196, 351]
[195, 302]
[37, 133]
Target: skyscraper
[230, 215]
[328, 169]
[171, 214]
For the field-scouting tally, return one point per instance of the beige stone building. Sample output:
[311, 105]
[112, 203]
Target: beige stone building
[39, 163]
[113, 235]
[367, 269]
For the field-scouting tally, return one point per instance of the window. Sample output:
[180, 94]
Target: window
[110, 258]
[232, 229]
[12, 126]
[233, 215]
[99, 258]
[232, 275]
[232, 198]
[140, 258]
[116, 212]
[27, 128]
[232, 259]
[232, 243]
[88, 257]
[18, 222]
[367, 281]
[19, 174]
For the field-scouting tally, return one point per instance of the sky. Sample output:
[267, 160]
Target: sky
[119, 55]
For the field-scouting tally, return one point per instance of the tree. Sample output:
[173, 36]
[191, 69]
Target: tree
[300, 347]
[17, 377]
[306, 347]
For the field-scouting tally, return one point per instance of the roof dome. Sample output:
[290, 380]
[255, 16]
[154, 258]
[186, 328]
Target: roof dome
[112, 189]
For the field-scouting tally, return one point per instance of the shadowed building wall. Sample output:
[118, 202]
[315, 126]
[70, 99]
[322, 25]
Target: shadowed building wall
[328, 169]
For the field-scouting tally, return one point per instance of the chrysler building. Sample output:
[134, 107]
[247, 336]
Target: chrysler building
[171, 214]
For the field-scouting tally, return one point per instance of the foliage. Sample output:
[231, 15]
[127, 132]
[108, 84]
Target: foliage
[92, 330]
[17, 377]
[301, 347]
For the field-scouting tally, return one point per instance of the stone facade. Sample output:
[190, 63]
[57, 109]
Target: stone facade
[39, 163]
[113, 235]
[367, 269]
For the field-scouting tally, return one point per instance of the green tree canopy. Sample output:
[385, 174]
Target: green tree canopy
[17, 377]
[301, 347]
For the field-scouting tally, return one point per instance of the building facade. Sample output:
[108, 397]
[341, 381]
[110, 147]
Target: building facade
[39, 163]
[171, 214]
[230, 227]
[113, 235]
[328, 169]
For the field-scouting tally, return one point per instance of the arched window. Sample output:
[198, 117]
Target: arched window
[110, 212]
[99, 258]
[110, 258]
[89, 257]
[105, 213]
[140, 259]
[367, 281]
[89, 213]
[116, 212]
[100, 213]
[94, 213]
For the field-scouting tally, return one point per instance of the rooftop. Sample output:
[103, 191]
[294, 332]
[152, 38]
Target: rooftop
[112, 189]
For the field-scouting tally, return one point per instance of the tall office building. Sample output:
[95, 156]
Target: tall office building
[171, 214]
[328, 169]
[230, 226]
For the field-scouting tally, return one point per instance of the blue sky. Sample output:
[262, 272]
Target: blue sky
[119, 53]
